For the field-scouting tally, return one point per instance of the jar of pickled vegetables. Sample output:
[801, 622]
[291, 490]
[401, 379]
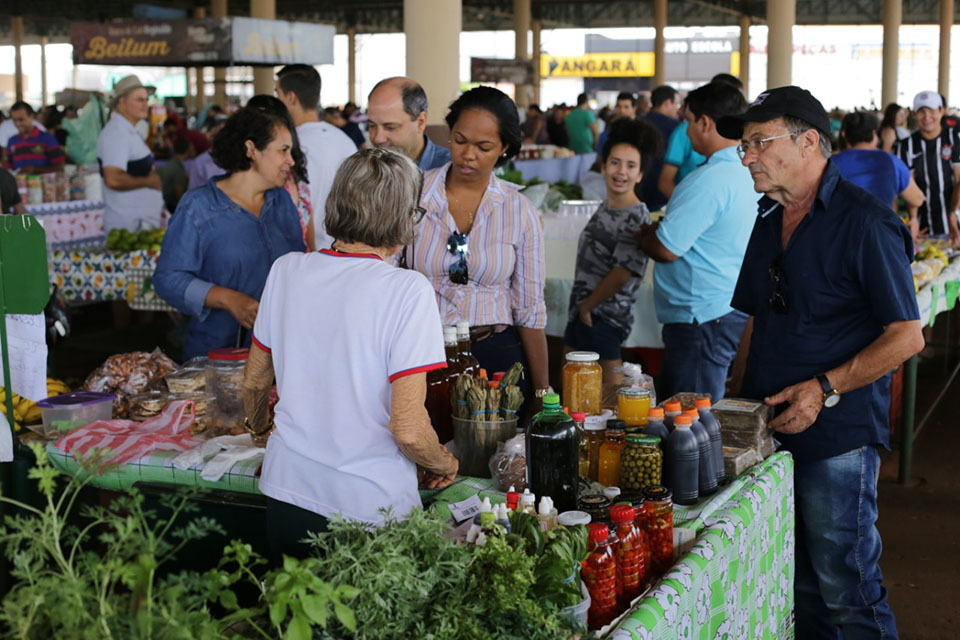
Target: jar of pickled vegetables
[597, 506]
[582, 382]
[608, 471]
[658, 526]
[630, 551]
[599, 573]
[633, 404]
[641, 463]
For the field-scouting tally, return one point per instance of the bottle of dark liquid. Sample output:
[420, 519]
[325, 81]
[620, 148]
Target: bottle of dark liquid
[465, 356]
[655, 424]
[439, 386]
[553, 455]
[708, 474]
[712, 425]
[681, 462]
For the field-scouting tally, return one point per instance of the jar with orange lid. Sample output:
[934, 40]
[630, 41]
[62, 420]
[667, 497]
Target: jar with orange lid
[582, 382]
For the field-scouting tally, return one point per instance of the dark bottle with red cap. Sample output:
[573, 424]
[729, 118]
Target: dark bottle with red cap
[631, 553]
[599, 573]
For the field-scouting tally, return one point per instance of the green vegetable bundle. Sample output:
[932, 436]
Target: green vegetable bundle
[559, 554]
[416, 582]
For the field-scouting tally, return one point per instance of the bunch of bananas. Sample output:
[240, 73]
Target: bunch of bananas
[931, 252]
[26, 411]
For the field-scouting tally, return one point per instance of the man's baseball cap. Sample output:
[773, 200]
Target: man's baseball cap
[930, 99]
[127, 84]
[776, 103]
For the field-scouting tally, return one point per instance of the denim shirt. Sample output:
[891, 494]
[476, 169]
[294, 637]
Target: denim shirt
[214, 241]
[433, 155]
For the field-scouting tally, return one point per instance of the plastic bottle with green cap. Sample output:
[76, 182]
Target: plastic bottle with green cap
[552, 447]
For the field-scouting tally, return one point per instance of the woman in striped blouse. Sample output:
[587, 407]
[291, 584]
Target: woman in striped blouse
[481, 244]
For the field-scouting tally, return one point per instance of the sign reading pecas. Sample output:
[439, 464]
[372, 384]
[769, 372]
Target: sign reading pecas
[598, 65]
[202, 42]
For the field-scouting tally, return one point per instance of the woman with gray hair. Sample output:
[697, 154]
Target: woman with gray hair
[350, 338]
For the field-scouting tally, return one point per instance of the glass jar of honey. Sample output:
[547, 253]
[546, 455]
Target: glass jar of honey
[633, 405]
[582, 382]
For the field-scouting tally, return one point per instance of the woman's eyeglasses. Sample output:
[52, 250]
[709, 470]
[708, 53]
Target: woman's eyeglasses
[417, 214]
[778, 299]
[457, 245]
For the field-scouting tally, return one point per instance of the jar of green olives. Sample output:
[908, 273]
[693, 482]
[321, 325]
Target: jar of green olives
[641, 463]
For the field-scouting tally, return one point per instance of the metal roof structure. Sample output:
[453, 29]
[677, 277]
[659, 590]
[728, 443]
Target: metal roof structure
[52, 18]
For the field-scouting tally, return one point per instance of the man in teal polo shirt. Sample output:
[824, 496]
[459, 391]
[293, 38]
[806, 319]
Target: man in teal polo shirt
[699, 247]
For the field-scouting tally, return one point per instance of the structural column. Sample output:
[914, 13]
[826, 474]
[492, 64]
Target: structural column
[201, 97]
[536, 26]
[433, 26]
[352, 64]
[781, 15]
[263, 76]
[659, 42]
[43, 70]
[16, 31]
[892, 15]
[745, 54]
[521, 26]
[218, 9]
[946, 24]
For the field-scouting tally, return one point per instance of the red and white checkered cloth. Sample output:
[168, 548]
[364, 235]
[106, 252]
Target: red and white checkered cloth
[120, 441]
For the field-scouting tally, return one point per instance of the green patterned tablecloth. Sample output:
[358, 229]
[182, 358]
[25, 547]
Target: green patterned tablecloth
[737, 581]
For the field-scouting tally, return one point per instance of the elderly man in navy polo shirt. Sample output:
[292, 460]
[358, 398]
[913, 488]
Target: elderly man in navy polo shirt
[826, 280]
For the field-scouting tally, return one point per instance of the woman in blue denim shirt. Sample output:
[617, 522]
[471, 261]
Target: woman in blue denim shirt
[226, 234]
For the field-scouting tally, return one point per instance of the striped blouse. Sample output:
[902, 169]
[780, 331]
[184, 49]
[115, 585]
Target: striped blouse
[505, 257]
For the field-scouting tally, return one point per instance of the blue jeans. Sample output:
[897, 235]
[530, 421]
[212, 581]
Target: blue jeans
[698, 356]
[838, 587]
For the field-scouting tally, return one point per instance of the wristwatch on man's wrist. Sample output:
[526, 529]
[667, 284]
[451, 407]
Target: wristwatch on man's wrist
[831, 397]
[539, 393]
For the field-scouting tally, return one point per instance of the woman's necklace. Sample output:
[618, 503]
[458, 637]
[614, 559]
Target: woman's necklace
[471, 211]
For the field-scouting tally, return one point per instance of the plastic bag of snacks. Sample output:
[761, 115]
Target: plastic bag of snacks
[508, 466]
[127, 374]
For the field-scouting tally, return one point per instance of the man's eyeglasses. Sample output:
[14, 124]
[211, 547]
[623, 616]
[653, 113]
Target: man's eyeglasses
[746, 146]
[457, 245]
[778, 299]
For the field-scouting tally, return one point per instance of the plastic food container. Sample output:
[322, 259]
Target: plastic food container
[224, 380]
[476, 441]
[186, 380]
[71, 410]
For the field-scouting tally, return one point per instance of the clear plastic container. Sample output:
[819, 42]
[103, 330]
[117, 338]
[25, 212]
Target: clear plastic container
[224, 381]
[582, 382]
[71, 410]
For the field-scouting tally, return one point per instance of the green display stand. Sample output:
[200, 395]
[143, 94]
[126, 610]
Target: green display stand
[24, 289]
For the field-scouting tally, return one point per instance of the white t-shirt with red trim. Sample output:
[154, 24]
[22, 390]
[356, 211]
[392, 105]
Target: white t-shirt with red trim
[341, 327]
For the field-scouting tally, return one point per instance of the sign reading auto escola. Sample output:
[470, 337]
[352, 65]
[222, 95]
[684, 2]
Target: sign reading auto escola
[597, 65]
[210, 41]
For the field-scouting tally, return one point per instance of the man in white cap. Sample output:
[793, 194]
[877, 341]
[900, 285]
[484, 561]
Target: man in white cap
[934, 159]
[131, 186]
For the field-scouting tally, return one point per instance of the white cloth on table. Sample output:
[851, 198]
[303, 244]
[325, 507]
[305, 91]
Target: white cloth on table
[217, 455]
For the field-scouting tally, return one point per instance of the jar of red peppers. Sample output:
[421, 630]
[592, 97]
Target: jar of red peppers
[658, 527]
[631, 554]
[599, 572]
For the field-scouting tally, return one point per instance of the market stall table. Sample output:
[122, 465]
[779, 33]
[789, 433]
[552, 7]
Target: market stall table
[557, 169]
[560, 234]
[934, 298]
[97, 275]
[75, 223]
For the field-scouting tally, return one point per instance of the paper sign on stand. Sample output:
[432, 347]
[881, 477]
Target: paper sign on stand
[26, 335]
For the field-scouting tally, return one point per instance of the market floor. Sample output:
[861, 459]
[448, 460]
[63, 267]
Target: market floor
[919, 523]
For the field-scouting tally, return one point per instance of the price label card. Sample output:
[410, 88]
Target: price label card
[465, 508]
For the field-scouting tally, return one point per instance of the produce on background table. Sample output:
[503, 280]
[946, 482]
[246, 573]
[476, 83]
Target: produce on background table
[124, 240]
